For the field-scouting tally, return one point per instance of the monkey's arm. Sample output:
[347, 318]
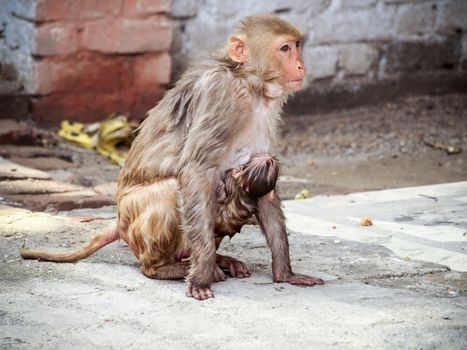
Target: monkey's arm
[212, 124]
[272, 223]
[198, 224]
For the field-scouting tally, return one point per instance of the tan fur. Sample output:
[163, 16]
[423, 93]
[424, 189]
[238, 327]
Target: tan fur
[198, 166]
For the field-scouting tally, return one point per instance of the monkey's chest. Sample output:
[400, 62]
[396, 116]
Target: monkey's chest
[254, 138]
[233, 215]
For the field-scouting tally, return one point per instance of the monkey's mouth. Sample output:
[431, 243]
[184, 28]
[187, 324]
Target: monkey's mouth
[296, 84]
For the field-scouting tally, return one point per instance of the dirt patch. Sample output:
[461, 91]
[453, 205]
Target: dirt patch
[366, 148]
[375, 147]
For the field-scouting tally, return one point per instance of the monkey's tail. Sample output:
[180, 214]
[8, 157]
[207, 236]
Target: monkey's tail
[94, 245]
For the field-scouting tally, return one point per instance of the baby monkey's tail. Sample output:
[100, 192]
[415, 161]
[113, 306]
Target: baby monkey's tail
[99, 241]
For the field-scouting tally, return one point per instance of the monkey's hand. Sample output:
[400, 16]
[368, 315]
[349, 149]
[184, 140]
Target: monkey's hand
[200, 293]
[302, 280]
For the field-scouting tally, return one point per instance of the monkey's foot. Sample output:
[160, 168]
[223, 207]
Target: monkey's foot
[302, 280]
[198, 292]
[236, 268]
[174, 271]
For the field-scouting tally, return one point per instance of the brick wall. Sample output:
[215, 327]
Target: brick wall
[83, 59]
[357, 51]
[88, 58]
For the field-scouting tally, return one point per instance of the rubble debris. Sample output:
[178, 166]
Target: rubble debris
[366, 221]
[302, 194]
[429, 197]
[449, 149]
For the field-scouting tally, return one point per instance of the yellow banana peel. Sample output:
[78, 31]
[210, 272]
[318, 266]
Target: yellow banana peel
[112, 137]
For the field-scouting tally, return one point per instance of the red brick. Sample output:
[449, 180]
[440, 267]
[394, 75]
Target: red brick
[82, 72]
[58, 38]
[136, 101]
[146, 7]
[144, 100]
[152, 70]
[91, 9]
[52, 10]
[152, 34]
[14, 132]
[95, 106]
[87, 107]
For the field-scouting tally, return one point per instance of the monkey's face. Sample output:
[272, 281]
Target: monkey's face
[288, 54]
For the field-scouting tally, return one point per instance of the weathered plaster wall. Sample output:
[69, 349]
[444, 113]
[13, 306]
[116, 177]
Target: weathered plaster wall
[16, 61]
[357, 50]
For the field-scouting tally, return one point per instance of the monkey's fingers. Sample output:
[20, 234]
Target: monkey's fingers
[198, 293]
[303, 280]
[218, 274]
[236, 268]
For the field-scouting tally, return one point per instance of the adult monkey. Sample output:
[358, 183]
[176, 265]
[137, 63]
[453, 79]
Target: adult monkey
[198, 169]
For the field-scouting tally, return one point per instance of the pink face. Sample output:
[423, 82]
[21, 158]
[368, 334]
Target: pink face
[288, 51]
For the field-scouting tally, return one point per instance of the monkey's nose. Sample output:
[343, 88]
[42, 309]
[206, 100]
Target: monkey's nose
[301, 67]
[300, 64]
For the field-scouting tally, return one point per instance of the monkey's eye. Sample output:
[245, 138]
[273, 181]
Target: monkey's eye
[285, 48]
[298, 44]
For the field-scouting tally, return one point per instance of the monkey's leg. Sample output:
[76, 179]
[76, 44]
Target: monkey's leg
[170, 271]
[150, 220]
[175, 270]
[272, 223]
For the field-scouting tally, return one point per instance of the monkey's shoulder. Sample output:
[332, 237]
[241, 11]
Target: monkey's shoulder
[207, 90]
[214, 78]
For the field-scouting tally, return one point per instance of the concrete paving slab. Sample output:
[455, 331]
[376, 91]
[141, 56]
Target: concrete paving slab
[86, 198]
[44, 163]
[425, 223]
[93, 305]
[24, 151]
[108, 188]
[35, 186]
[10, 170]
[372, 299]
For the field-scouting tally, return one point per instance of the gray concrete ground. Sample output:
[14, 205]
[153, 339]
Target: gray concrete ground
[399, 284]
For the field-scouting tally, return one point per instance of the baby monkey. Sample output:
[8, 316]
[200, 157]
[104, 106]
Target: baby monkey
[199, 167]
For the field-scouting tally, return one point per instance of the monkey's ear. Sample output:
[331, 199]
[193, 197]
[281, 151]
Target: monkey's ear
[238, 49]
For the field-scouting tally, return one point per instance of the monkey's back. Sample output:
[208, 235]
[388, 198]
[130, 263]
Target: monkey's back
[195, 123]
